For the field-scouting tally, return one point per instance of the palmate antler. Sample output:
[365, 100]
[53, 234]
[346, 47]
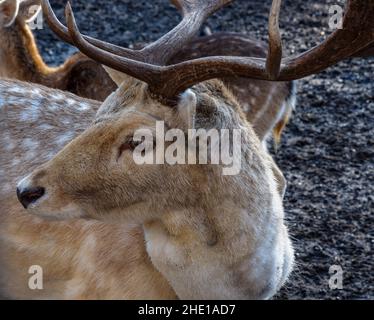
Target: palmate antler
[168, 81]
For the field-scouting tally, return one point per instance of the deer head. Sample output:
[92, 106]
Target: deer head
[211, 235]
[22, 11]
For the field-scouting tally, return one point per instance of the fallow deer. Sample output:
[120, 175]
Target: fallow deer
[355, 22]
[20, 57]
[268, 105]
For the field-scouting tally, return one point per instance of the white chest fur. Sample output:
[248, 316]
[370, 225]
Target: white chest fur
[194, 270]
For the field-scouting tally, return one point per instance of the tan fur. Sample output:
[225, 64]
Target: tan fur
[210, 236]
[80, 259]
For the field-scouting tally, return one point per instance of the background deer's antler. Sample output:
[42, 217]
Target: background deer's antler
[167, 81]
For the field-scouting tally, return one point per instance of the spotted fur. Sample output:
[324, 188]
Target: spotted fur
[81, 259]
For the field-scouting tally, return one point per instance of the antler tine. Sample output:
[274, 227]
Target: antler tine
[206, 7]
[63, 33]
[365, 52]
[194, 14]
[356, 34]
[274, 57]
[137, 69]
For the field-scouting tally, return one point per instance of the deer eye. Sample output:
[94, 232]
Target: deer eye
[129, 144]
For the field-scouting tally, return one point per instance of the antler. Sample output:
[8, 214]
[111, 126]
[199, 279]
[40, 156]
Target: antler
[274, 56]
[167, 81]
[194, 14]
[357, 33]
[365, 52]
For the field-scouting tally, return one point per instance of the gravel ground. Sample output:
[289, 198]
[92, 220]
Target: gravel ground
[328, 149]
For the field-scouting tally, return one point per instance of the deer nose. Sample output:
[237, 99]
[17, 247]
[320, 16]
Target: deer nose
[28, 196]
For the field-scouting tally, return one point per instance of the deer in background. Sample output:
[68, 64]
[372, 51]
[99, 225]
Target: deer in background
[268, 105]
[15, 95]
[20, 57]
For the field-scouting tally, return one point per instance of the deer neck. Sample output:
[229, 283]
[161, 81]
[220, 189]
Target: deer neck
[21, 58]
[19, 52]
[206, 253]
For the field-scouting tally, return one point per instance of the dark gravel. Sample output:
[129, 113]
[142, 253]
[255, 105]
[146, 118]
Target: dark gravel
[328, 149]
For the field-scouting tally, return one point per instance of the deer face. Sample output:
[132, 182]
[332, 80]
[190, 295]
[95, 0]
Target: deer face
[97, 175]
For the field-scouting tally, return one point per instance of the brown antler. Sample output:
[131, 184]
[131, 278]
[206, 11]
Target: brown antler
[365, 52]
[194, 14]
[274, 57]
[62, 32]
[168, 81]
[357, 33]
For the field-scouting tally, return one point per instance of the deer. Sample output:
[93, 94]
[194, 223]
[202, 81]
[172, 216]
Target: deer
[21, 59]
[268, 105]
[39, 203]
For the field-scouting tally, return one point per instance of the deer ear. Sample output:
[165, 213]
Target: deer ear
[117, 77]
[8, 12]
[187, 108]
